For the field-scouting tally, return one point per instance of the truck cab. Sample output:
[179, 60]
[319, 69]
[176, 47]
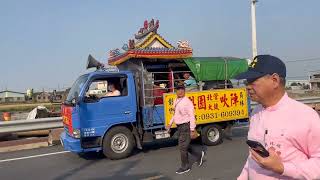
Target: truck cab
[88, 112]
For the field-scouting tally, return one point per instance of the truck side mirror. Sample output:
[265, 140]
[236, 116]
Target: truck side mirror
[75, 100]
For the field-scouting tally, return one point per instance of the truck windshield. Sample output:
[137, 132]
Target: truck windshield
[76, 87]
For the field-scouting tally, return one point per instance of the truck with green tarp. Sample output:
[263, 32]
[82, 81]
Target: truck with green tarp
[145, 76]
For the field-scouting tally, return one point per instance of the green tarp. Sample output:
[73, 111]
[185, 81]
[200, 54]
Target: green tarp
[214, 68]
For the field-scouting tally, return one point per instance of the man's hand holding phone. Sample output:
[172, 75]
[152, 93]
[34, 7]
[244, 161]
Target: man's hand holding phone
[258, 148]
[268, 159]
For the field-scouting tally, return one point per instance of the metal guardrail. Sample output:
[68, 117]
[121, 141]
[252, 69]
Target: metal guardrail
[56, 122]
[308, 100]
[31, 125]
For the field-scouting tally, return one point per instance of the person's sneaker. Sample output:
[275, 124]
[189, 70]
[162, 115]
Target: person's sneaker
[200, 161]
[183, 170]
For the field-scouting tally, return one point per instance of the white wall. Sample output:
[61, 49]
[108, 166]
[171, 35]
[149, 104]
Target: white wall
[11, 94]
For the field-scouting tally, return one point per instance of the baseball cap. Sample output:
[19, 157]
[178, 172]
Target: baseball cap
[263, 65]
[180, 86]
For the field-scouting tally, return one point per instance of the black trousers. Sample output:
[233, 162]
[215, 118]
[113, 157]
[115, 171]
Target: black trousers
[185, 147]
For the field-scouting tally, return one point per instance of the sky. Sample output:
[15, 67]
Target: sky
[45, 44]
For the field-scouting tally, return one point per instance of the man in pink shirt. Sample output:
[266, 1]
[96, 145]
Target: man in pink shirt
[184, 119]
[288, 129]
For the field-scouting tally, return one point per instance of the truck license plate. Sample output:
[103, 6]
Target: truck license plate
[162, 134]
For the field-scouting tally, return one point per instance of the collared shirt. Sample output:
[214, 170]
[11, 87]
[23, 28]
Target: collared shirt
[114, 93]
[292, 128]
[183, 112]
[190, 82]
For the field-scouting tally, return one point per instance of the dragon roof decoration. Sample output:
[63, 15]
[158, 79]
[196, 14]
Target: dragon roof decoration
[147, 43]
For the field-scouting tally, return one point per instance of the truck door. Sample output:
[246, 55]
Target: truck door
[107, 102]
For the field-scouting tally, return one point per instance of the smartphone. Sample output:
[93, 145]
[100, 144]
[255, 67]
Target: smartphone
[258, 148]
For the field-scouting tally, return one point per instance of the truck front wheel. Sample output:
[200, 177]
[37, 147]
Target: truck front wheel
[212, 135]
[118, 143]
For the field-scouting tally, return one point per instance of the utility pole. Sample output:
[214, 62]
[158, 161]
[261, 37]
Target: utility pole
[254, 28]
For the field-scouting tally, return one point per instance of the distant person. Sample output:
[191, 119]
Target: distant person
[113, 90]
[189, 82]
[158, 92]
[177, 79]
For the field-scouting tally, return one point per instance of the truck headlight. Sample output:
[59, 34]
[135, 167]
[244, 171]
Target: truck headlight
[76, 133]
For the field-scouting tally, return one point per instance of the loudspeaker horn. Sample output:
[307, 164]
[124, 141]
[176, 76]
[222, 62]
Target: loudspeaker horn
[92, 62]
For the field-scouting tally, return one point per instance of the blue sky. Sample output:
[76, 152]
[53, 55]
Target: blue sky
[45, 44]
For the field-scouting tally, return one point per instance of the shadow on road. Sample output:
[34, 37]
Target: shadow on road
[162, 144]
[122, 174]
[72, 172]
[240, 132]
[92, 155]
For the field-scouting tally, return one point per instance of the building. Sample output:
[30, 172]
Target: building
[53, 97]
[315, 81]
[11, 97]
[298, 84]
[42, 97]
[58, 96]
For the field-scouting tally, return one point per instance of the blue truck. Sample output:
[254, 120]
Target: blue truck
[119, 107]
[116, 125]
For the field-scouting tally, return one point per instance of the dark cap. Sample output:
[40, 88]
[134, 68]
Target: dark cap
[263, 65]
[180, 86]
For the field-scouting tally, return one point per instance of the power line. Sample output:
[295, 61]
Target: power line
[303, 60]
[315, 70]
[299, 60]
[292, 77]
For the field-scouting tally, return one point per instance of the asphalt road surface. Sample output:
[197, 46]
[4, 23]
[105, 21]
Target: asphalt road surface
[158, 161]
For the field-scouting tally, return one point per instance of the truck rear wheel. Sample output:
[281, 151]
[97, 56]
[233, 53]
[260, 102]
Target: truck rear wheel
[212, 135]
[118, 143]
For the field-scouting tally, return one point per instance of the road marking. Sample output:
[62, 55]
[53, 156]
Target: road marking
[154, 177]
[29, 157]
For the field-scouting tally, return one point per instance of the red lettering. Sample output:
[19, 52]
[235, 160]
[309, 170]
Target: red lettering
[209, 97]
[224, 100]
[241, 95]
[211, 107]
[192, 99]
[216, 106]
[234, 99]
[215, 95]
[202, 102]
[171, 110]
[170, 101]
[241, 103]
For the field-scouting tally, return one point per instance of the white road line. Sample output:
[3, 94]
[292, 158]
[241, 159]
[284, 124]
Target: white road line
[154, 177]
[29, 157]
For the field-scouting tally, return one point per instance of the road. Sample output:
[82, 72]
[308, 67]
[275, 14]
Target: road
[158, 161]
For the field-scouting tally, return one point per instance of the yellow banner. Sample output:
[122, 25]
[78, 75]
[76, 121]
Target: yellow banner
[212, 106]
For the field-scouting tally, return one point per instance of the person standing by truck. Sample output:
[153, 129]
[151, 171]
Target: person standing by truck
[185, 120]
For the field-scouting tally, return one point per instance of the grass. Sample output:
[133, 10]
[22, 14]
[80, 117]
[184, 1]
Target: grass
[28, 107]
